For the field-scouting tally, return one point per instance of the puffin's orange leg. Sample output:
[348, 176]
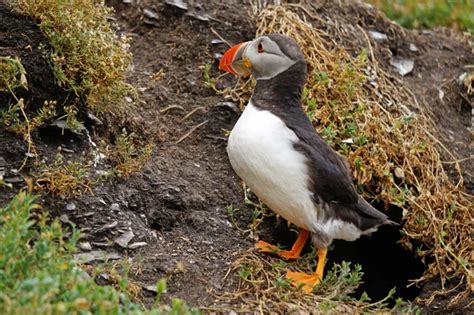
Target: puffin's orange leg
[293, 253]
[306, 281]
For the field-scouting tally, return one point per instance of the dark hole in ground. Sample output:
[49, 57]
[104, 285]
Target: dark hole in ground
[385, 263]
[56, 136]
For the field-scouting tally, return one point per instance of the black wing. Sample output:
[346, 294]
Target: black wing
[329, 170]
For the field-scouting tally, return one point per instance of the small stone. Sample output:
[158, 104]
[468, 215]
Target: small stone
[85, 246]
[217, 41]
[64, 218]
[107, 226]
[96, 255]
[128, 99]
[124, 239]
[377, 36]
[180, 4]
[115, 207]
[101, 244]
[403, 66]
[102, 173]
[71, 206]
[151, 288]
[150, 14]
[399, 172]
[13, 180]
[413, 48]
[137, 245]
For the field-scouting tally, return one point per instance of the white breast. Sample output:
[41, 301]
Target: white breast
[261, 152]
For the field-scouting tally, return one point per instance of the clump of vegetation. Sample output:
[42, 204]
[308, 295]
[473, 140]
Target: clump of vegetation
[128, 154]
[88, 57]
[64, 178]
[14, 117]
[458, 14]
[263, 286]
[12, 74]
[39, 276]
[90, 60]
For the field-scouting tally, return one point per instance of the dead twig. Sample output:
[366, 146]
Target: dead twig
[187, 134]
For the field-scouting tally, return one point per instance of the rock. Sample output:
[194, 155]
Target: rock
[96, 255]
[151, 288]
[14, 180]
[137, 245]
[413, 48]
[402, 65]
[150, 14]
[64, 218]
[124, 239]
[85, 246]
[71, 206]
[217, 41]
[180, 4]
[107, 227]
[115, 207]
[377, 36]
[399, 172]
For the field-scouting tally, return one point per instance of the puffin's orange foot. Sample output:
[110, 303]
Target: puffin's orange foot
[265, 247]
[303, 280]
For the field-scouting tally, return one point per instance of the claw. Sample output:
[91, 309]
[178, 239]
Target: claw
[303, 280]
[295, 251]
[265, 247]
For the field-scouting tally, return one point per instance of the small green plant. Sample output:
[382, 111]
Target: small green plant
[65, 178]
[244, 272]
[12, 74]
[208, 80]
[129, 154]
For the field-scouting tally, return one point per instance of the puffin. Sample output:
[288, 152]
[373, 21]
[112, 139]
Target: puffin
[276, 151]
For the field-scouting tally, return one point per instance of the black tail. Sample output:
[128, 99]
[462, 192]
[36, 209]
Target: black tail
[371, 217]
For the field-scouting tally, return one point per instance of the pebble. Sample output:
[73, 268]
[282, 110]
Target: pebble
[124, 239]
[115, 207]
[107, 226]
[70, 206]
[137, 245]
[96, 255]
[64, 218]
[85, 246]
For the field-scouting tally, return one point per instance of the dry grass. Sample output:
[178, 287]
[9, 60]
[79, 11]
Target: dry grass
[63, 178]
[373, 119]
[263, 288]
[129, 154]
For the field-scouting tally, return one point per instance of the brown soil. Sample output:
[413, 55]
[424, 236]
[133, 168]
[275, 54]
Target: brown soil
[178, 203]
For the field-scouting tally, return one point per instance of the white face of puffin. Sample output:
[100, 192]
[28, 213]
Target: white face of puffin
[261, 58]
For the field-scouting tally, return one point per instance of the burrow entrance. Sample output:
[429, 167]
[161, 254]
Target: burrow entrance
[385, 263]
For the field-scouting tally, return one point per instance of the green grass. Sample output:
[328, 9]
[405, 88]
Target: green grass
[39, 276]
[457, 14]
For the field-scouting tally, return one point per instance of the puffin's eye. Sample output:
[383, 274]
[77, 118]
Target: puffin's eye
[260, 48]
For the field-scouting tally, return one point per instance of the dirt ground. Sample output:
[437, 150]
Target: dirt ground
[178, 203]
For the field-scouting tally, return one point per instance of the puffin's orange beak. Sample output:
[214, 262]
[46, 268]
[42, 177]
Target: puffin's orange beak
[234, 60]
